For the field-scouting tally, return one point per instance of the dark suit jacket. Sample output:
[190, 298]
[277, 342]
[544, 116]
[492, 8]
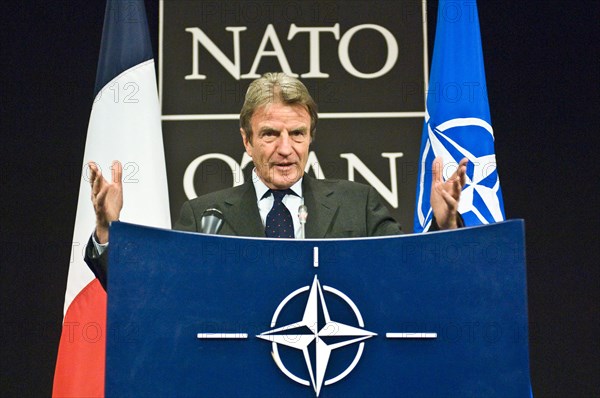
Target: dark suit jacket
[336, 209]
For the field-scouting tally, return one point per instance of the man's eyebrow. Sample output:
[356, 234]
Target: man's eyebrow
[300, 128]
[268, 129]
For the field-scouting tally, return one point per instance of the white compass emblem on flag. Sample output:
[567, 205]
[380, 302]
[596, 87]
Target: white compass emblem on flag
[290, 335]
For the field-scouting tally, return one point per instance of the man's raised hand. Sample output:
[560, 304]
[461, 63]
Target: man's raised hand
[445, 195]
[107, 197]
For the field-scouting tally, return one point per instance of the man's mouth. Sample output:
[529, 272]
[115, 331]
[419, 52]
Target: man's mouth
[284, 166]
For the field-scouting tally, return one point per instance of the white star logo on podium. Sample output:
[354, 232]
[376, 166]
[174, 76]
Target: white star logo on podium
[302, 341]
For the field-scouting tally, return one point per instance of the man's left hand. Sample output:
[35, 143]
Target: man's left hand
[445, 195]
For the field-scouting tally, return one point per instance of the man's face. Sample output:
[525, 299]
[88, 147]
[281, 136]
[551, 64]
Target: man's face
[280, 141]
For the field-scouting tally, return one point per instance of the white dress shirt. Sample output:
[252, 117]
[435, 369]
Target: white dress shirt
[292, 202]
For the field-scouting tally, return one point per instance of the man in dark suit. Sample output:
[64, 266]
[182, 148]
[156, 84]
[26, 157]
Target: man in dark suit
[338, 209]
[277, 123]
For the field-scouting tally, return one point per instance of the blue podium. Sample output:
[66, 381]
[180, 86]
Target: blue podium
[431, 315]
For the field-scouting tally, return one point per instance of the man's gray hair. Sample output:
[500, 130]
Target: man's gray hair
[276, 88]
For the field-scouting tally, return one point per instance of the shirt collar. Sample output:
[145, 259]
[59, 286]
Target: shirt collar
[261, 189]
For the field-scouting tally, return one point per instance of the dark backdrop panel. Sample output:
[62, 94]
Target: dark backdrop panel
[401, 89]
[343, 91]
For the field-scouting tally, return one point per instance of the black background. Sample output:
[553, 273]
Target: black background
[542, 66]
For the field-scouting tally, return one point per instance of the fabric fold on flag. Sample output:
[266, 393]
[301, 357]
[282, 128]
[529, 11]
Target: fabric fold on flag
[457, 122]
[124, 125]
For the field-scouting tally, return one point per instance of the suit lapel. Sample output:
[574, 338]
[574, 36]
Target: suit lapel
[322, 208]
[241, 212]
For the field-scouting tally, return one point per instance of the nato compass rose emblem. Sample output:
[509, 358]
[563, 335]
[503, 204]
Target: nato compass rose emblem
[311, 333]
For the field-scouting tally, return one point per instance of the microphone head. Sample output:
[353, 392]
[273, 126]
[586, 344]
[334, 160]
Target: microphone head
[211, 222]
[302, 213]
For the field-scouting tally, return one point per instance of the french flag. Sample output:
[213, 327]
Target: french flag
[124, 124]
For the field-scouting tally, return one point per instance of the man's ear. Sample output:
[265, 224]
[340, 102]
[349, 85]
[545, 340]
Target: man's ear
[246, 141]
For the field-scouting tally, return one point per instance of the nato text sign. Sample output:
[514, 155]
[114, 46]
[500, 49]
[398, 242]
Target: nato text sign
[438, 314]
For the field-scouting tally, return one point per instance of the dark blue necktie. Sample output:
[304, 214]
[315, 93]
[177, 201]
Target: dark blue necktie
[279, 220]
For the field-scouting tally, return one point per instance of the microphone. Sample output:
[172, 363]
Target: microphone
[211, 222]
[302, 216]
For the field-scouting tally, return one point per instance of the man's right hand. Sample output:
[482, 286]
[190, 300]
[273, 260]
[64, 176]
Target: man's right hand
[107, 197]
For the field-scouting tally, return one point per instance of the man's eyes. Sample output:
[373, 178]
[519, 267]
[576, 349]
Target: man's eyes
[296, 135]
[269, 135]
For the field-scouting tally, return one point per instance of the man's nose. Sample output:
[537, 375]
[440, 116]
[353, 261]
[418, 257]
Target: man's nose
[285, 144]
